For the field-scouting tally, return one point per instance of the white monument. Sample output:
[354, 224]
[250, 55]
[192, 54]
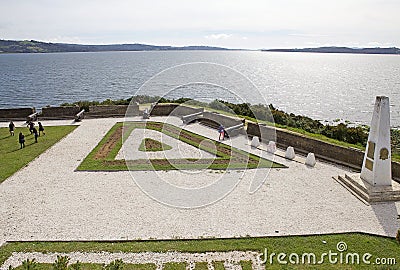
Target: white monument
[377, 164]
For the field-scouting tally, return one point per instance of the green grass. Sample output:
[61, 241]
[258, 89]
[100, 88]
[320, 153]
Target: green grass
[95, 266]
[174, 266]
[108, 163]
[356, 242]
[218, 265]
[246, 265]
[201, 266]
[157, 146]
[13, 158]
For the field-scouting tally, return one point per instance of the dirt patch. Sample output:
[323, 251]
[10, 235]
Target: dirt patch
[112, 141]
[152, 145]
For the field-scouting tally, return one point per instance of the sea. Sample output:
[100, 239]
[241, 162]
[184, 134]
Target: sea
[327, 87]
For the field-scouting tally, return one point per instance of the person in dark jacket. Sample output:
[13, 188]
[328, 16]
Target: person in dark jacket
[41, 128]
[21, 139]
[31, 125]
[11, 127]
[35, 133]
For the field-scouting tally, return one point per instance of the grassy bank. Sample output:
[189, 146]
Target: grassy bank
[13, 158]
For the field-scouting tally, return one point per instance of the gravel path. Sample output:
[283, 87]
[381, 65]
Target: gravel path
[231, 259]
[49, 200]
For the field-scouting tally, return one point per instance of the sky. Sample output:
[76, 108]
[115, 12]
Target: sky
[249, 24]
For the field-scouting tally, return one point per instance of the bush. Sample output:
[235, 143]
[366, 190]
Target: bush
[114, 265]
[29, 264]
[76, 266]
[61, 263]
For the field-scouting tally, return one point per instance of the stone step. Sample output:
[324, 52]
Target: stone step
[351, 179]
[362, 194]
[369, 193]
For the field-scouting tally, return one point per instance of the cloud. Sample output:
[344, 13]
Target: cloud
[218, 36]
[308, 35]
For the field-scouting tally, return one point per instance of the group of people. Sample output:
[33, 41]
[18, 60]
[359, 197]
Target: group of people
[32, 130]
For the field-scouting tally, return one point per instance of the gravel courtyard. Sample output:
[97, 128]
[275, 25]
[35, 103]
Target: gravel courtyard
[49, 200]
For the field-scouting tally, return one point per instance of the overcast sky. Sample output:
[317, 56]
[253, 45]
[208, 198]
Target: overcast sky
[252, 24]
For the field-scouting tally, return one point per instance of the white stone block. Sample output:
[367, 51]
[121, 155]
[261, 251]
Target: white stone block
[310, 160]
[271, 147]
[290, 153]
[255, 142]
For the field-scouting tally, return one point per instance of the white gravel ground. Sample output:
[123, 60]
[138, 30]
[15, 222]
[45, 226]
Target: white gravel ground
[49, 200]
[231, 259]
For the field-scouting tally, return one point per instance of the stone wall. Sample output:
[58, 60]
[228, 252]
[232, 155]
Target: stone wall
[221, 119]
[67, 112]
[351, 157]
[173, 109]
[101, 111]
[185, 110]
[15, 114]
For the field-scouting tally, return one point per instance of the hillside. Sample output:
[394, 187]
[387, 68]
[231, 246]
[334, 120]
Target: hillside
[378, 50]
[32, 46]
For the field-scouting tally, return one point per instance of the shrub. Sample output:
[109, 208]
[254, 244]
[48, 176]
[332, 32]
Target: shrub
[76, 266]
[29, 264]
[114, 265]
[61, 263]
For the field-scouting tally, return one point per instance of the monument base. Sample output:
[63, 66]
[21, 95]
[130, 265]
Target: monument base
[368, 193]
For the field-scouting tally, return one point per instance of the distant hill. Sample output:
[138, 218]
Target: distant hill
[32, 46]
[392, 50]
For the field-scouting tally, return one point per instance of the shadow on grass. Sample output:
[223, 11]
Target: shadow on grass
[18, 149]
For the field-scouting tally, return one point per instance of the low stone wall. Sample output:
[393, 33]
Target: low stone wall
[15, 114]
[221, 119]
[101, 111]
[67, 112]
[163, 109]
[184, 110]
[173, 109]
[351, 157]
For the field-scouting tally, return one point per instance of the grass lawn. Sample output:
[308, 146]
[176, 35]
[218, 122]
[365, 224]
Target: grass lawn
[93, 266]
[13, 158]
[378, 247]
[102, 157]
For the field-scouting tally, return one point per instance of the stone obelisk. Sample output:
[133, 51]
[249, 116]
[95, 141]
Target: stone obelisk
[377, 164]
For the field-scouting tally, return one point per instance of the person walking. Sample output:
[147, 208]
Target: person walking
[21, 139]
[11, 127]
[31, 126]
[35, 133]
[41, 128]
[221, 131]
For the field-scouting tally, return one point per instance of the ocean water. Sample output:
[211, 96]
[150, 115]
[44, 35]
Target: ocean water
[322, 86]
